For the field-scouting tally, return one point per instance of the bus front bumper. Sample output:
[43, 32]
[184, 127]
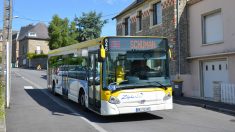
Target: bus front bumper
[112, 109]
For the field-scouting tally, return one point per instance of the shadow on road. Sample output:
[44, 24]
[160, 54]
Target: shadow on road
[45, 101]
[44, 77]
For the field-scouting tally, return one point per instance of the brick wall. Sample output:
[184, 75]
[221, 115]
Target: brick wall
[167, 29]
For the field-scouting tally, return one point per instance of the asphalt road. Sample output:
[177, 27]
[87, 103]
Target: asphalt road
[34, 109]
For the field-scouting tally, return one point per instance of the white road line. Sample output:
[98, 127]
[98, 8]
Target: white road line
[97, 127]
[28, 87]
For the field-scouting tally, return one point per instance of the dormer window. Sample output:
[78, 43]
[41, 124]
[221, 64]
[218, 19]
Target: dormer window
[32, 34]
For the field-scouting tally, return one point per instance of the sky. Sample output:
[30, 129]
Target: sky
[34, 11]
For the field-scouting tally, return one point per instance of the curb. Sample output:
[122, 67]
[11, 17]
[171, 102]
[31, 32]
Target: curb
[223, 110]
[3, 125]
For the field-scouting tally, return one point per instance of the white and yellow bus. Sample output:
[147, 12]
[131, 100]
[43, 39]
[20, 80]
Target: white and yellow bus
[113, 75]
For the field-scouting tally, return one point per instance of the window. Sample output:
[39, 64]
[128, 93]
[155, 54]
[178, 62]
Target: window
[139, 22]
[220, 67]
[38, 50]
[127, 26]
[212, 27]
[157, 13]
[32, 34]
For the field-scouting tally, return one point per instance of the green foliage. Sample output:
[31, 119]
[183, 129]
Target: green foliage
[33, 56]
[61, 32]
[89, 25]
[2, 101]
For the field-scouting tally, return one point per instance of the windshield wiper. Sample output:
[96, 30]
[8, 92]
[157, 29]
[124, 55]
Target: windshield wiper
[165, 87]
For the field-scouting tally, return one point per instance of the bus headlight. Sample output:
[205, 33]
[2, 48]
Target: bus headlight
[114, 100]
[167, 96]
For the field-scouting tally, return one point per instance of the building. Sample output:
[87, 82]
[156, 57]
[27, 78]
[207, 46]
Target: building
[15, 49]
[204, 50]
[159, 18]
[212, 46]
[33, 39]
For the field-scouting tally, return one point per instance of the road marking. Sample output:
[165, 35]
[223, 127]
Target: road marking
[28, 87]
[97, 127]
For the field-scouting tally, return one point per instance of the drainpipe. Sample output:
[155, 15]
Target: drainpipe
[178, 37]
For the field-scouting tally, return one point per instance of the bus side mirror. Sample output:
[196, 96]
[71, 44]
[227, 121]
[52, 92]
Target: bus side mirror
[102, 53]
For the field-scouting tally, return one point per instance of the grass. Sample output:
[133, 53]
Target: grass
[2, 101]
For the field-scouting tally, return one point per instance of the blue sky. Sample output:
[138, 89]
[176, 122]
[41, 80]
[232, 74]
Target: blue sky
[33, 11]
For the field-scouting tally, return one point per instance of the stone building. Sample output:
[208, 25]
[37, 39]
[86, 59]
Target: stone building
[159, 18]
[15, 49]
[33, 39]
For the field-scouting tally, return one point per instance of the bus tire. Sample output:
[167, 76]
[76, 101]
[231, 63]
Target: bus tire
[82, 101]
[53, 88]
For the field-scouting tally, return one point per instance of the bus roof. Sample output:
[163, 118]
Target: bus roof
[93, 42]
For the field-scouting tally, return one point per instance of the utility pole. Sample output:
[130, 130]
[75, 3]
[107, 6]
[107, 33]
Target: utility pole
[7, 46]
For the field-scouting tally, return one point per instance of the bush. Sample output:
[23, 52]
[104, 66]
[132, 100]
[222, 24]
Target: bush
[33, 56]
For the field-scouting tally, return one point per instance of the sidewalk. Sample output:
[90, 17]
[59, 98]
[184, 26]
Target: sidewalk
[217, 106]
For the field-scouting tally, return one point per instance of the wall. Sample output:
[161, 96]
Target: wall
[39, 61]
[198, 49]
[195, 21]
[166, 29]
[42, 43]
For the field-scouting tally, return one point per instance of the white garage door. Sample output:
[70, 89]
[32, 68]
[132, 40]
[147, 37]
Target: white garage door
[213, 71]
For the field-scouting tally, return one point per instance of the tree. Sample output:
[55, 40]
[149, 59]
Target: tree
[89, 25]
[61, 32]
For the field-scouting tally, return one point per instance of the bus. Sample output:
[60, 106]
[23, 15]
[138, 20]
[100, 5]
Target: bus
[113, 75]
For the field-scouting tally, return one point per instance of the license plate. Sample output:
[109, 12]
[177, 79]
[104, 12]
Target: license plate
[143, 109]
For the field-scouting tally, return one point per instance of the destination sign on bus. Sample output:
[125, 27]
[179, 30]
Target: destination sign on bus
[115, 44]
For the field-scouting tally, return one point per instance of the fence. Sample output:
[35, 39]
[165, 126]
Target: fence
[228, 93]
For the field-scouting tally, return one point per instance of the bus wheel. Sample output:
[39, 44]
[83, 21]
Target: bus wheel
[53, 88]
[82, 100]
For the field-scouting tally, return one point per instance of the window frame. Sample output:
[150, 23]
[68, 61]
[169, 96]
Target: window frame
[203, 20]
[127, 27]
[139, 24]
[155, 13]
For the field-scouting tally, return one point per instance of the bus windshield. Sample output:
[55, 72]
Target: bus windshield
[136, 69]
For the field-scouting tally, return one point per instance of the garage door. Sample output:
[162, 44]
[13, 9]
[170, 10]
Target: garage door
[213, 71]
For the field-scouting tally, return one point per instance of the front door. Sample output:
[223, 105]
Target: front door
[94, 82]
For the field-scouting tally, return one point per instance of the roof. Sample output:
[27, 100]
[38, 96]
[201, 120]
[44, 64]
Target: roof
[40, 29]
[131, 6]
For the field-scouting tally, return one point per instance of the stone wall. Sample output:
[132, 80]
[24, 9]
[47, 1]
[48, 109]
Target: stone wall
[34, 63]
[30, 47]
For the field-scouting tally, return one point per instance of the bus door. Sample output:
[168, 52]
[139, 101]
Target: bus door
[94, 82]
[65, 82]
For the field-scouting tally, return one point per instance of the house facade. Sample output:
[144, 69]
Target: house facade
[212, 46]
[203, 47]
[15, 49]
[33, 39]
[159, 18]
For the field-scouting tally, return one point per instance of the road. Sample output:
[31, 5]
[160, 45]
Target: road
[34, 109]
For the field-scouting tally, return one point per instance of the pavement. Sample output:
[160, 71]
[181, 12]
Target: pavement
[212, 105]
[34, 108]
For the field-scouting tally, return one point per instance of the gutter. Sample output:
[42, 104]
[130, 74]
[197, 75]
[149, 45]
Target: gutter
[211, 55]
